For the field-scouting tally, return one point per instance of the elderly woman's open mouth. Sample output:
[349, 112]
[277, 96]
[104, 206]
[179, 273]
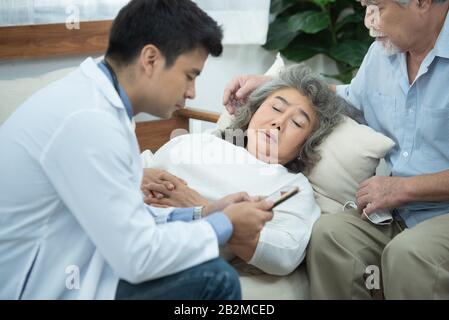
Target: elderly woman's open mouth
[271, 135]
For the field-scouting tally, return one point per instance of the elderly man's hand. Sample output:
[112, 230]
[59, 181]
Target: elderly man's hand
[161, 178]
[238, 90]
[381, 193]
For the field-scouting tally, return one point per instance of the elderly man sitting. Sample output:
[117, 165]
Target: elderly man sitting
[401, 89]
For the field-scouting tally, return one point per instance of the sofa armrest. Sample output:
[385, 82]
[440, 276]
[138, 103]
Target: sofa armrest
[198, 114]
[154, 134]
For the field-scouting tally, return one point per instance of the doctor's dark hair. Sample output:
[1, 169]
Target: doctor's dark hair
[175, 27]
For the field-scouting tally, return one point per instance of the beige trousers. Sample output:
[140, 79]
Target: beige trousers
[350, 258]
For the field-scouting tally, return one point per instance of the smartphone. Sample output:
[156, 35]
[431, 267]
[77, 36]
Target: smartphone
[282, 194]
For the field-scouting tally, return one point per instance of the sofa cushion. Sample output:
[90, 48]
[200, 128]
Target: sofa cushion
[349, 155]
[257, 285]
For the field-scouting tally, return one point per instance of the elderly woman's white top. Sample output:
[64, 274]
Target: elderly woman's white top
[216, 168]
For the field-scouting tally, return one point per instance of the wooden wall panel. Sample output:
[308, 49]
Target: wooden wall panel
[198, 114]
[154, 134]
[52, 40]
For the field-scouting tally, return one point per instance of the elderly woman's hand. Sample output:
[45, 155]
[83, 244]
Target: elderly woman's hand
[159, 177]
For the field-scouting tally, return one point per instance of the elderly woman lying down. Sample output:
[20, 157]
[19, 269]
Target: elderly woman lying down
[271, 142]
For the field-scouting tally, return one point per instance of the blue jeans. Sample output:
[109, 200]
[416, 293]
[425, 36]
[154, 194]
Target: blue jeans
[212, 280]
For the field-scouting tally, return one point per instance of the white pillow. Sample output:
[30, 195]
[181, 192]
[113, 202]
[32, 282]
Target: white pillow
[349, 155]
[276, 67]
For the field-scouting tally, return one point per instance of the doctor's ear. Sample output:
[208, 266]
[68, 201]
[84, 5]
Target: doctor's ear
[151, 57]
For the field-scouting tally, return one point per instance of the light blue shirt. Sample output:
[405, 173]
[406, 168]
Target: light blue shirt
[415, 116]
[121, 91]
[219, 221]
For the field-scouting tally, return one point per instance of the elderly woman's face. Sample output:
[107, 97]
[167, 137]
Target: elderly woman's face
[280, 126]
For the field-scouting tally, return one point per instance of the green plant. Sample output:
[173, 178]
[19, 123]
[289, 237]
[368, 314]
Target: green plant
[304, 28]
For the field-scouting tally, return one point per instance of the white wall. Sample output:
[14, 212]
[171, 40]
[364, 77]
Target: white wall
[19, 79]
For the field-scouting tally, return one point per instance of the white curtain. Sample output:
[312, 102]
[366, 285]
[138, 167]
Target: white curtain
[23, 12]
[244, 21]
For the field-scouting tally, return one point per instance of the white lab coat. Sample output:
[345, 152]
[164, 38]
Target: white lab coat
[71, 210]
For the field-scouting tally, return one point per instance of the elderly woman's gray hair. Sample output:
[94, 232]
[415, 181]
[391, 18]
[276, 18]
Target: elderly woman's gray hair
[328, 107]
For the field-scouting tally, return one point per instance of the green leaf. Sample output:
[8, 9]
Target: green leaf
[342, 5]
[303, 28]
[344, 77]
[279, 6]
[355, 18]
[305, 46]
[351, 52]
[298, 54]
[322, 3]
[309, 21]
[279, 34]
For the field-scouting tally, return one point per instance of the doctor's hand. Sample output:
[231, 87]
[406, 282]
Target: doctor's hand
[248, 220]
[238, 90]
[160, 177]
[181, 197]
[225, 202]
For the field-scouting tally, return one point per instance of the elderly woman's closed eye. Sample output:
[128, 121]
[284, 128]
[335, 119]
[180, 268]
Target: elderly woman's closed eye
[286, 119]
[280, 126]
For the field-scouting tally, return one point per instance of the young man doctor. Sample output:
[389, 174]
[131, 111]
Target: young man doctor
[73, 220]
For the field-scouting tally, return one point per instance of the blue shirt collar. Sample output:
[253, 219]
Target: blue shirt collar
[121, 92]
